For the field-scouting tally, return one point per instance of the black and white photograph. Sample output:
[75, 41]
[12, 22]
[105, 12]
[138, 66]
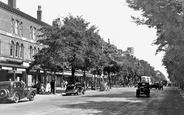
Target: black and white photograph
[91, 57]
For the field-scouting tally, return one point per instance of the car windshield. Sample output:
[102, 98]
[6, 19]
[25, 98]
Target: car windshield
[142, 84]
[4, 86]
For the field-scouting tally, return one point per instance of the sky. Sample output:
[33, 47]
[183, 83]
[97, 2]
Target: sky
[111, 17]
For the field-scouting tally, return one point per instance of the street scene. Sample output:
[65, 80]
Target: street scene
[117, 101]
[92, 57]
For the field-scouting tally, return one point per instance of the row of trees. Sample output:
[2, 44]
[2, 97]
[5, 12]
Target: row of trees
[77, 45]
[167, 17]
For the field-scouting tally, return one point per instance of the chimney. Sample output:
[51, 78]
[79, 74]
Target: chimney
[109, 41]
[12, 3]
[39, 13]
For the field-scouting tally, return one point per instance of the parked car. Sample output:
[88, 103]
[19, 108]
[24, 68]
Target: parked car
[143, 89]
[74, 88]
[15, 91]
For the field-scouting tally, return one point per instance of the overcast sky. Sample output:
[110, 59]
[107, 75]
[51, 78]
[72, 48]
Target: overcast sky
[112, 17]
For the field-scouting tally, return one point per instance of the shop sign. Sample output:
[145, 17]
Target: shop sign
[7, 68]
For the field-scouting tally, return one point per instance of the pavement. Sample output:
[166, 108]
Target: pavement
[180, 91]
[59, 92]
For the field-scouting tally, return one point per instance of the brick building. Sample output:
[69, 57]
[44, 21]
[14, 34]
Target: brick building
[18, 36]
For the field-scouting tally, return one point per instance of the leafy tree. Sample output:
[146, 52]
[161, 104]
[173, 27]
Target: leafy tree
[50, 58]
[166, 16]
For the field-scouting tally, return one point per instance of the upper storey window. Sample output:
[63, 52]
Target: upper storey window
[12, 48]
[22, 51]
[33, 34]
[17, 50]
[17, 27]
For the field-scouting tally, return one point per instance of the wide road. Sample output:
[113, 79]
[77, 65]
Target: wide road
[121, 101]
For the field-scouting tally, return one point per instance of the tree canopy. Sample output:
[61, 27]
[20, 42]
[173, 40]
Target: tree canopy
[166, 16]
[77, 45]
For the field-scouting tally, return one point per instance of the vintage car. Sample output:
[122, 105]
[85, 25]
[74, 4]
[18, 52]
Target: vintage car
[74, 88]
[143, 89]
[15, 91]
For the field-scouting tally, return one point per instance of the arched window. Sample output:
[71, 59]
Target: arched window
[35, 51]
[12, 46]
[38, 50]
[17, 50]
[30, 52]
[22, 51]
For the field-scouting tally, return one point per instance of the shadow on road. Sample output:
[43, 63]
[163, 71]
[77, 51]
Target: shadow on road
[110, 104]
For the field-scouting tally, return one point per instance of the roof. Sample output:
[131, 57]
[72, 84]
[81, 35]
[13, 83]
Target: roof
[22, 14]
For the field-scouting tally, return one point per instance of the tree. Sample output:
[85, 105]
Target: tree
[50, 58]
[166, 16]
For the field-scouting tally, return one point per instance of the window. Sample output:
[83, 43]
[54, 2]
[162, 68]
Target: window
[30, 52]
[16, 27]
[12, 45]
[17, 50]
[21, 51]
[13, 26]
[20, 29]
[34, 33]
[31, 32]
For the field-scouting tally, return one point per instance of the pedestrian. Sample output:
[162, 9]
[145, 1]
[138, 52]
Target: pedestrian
[48, 88]
[38, 87]
[42, 88]
[52, 83]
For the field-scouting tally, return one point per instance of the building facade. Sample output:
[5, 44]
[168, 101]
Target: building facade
[18, 36]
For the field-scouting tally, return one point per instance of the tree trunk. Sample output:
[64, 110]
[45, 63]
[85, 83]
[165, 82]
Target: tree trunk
[73, 75]
[84, 75]
[109, 77]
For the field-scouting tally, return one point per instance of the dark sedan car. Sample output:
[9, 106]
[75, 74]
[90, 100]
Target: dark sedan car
[74, 88]
[143, 89]
[15, 90]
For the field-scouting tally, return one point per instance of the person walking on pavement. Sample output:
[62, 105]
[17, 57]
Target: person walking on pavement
[38, 87]
[48, 88]
[52, 83]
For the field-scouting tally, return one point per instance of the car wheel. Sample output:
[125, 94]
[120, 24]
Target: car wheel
[77, 93]
[3, 93]
[16, 98]
[31, 97]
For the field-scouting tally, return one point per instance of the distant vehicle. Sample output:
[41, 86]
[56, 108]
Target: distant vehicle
[155, 85]
[75, 88]
[146, 78]
[15, 91]
[143, 89]
[164, 82]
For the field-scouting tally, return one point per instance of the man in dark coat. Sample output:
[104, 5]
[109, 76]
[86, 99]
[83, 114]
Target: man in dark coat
[52, 83]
